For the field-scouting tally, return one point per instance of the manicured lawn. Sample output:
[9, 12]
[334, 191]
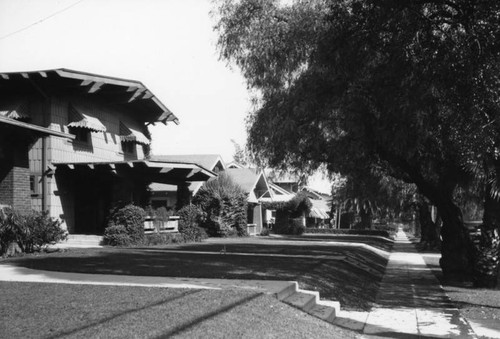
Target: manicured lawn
[315, 264]
[37, 310]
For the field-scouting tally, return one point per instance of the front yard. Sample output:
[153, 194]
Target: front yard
[38, 310]
[312, 261]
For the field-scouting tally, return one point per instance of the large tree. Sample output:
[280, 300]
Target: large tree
[410, 87]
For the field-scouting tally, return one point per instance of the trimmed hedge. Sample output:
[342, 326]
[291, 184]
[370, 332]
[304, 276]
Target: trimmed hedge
[163, 239]
[347, 232]
[125, 226]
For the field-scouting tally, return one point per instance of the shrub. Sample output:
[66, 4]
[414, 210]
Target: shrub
[132, 218]
[291, 226]
[296, 226]
[162, 239]
[264, 232]
[116, 235]
[190, 218]
[225, 205]
[31, 231]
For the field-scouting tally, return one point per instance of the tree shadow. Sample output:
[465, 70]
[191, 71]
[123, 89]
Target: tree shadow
[335, 279]
[120, 314]
[186, 326]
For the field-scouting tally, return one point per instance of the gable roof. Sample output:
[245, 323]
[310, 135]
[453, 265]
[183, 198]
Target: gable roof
[234, 164]
[117, 90]
[208, 161]
[248, 179]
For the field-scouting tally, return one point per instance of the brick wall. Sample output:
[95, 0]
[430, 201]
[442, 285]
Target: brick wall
[6, 183]
[15, 187]
[21, 198]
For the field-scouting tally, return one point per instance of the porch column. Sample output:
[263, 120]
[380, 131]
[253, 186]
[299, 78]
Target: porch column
[183, 195]
[15, 178]
[257, 218]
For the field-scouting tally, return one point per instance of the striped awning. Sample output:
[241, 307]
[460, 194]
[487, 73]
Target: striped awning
[319, 209]
[317, 213]
[130, 134]
[82, 120]
[17, 110]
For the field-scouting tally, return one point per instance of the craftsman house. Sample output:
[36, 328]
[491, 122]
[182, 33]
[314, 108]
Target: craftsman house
[75, 144]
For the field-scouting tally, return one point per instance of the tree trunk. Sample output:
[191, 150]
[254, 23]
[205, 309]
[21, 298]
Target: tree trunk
[427, 226]
[487, 254]
[456, 251]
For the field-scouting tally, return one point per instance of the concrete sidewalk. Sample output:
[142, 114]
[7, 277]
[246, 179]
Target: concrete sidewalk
[22, 274]
[410, 302]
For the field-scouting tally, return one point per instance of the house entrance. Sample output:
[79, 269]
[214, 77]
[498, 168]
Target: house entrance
[93, 200]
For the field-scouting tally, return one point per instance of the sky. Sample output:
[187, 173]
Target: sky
[168, 45]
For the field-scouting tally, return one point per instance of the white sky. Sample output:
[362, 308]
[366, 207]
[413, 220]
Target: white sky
[169, 45]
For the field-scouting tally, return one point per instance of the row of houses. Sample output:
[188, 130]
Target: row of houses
[75, 144]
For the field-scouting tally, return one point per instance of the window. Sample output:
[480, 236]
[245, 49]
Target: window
[81, 134]
[35, 185]
[128, 147]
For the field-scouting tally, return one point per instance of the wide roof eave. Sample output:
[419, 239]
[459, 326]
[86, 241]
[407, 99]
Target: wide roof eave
[97, 78]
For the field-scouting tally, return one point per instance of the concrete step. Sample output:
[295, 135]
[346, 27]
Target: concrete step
[302, 300]
[287, 291]
[81, 240]
[324, 312]
[309, 302]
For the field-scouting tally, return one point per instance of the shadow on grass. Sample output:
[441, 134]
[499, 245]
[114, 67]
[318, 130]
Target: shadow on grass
[192, 323]
[353, 286]
[118, 315]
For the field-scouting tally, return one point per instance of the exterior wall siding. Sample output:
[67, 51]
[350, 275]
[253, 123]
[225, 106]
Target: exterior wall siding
[102, 147]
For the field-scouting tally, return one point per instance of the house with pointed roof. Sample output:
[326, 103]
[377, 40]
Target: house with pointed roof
[255, 184]
[251, 180]
[75, 144]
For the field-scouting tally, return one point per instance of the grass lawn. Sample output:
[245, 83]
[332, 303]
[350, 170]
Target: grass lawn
[311, 262]
[37, 310]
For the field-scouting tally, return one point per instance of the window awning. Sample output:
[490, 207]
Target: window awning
[319, 209]
[317, 213]
[12, 123]
[129, 134]
[17, 110]
[82, 120]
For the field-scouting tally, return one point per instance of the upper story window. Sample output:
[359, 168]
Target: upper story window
[81, 134]
[128, 147]
[82, 124]
[17, 109]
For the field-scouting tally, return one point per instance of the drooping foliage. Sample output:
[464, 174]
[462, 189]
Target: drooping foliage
[31, 231]
[411, 87]
[290, 214]
[225, 206]
[190, 219]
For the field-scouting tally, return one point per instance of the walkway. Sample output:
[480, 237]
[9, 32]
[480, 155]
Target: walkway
[410, 302]
[22, 274]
